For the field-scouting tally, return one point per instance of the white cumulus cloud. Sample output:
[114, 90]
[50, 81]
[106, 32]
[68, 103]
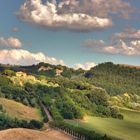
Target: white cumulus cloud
[86, 66]
[24, 57]
[122, 47]
[65, 15]
[131, 48]
[10, 42]
[129, 34]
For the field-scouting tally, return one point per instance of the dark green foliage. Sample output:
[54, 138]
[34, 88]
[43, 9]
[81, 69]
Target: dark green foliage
[47, 100]
[1, 107]
[2, 110]
[25, 101]
[18, 94]
[33, 102]
[115, 79]
[67, 107]
[35, 124]
[55, 113]
[7, 122]
[29, 87]
[98, 96]
[120, 116]
[4, 81]
[115, 113]
[8, 72]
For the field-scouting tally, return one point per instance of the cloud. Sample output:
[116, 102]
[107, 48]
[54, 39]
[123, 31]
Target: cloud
[104, 8]
[129, 48]
[125, 43]
[10, 42]
[86, 66]
[128, 34]
[69, 14]
[24, 57]
[76, 15]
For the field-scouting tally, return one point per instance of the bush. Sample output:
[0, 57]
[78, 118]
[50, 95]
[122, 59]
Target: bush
[2, 109]
[8, 73]
[35, 124]
[120, 116]
[7, 122]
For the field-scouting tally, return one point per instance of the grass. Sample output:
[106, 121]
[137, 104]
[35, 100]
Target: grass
[131, 115]
[28, 134]
[20, 111]
[127, 129]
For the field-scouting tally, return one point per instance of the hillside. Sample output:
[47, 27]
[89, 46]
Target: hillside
[89, 92]
[26, 134]
[44, 69]
[116, 79]
[130, 66]
[18, 110]
[68, 94]
[126, 129]
[126, 100]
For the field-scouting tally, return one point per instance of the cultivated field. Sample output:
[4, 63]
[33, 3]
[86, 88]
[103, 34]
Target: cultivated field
[18, 110]
[127, 129]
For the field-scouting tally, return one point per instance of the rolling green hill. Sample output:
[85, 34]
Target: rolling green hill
[116, 79]
[71, 94]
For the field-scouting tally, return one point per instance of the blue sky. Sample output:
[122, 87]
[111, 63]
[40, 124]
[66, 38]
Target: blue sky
[66, 42]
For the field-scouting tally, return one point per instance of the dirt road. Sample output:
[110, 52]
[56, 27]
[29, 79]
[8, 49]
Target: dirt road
[47, 112]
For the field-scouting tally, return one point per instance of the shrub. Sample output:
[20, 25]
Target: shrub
[7, 122]
[35, 124]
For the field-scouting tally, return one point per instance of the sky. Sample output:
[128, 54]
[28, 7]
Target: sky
[76, 33]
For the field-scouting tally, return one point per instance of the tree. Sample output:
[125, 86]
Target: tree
[8, 72]
[35, 124]
[25, 101]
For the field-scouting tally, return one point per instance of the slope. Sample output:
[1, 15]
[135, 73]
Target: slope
[18, 110]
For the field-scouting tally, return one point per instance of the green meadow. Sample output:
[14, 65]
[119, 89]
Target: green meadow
[127, 129]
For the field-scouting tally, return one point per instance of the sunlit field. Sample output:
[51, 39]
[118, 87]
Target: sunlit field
[18, 110]
[127, 129]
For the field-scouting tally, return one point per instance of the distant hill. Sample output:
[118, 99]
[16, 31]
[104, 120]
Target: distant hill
[116, 79]
[130, 66]
[44, 69]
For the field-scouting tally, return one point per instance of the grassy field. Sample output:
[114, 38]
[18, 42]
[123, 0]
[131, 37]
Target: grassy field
[28, 134]
[18, 110]
[127, 129]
